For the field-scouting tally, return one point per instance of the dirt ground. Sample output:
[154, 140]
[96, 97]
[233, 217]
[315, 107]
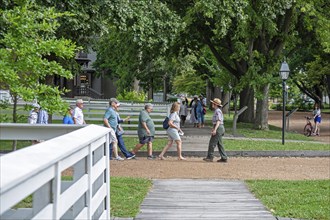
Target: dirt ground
[237, 168]
[297, 123]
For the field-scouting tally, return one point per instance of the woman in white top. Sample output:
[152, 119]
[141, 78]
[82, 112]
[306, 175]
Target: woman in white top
[173, 132]
[317, 119]
[33, 116]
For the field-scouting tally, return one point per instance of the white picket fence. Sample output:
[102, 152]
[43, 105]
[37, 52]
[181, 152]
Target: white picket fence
[68, 177]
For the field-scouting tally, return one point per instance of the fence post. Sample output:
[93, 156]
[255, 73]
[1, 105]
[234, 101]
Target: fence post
[288, 118]
[236, 117]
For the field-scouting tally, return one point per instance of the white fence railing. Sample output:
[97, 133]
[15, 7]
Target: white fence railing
[67, 177]
[94, 112]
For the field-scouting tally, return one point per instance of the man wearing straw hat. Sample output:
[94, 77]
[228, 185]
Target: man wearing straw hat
[218, 131]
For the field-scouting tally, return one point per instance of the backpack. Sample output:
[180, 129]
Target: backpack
[165, 123]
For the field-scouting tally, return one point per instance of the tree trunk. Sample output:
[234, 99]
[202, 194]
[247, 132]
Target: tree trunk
[14, 97]
[14, 144]
[328, 83]
[136, 86]
[208, 91]
[226, 99]
[261, 121]
[247, 99]
[151, 89]
[165, 87]
[217, 93]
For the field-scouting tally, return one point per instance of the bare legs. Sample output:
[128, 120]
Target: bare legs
[139, 146]
[149, 148]
[115, 149]
[169, 144]
[317, 129]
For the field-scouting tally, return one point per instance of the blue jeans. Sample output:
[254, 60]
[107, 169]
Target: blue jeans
[122, 147]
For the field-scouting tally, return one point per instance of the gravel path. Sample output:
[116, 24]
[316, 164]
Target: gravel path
[237, 168]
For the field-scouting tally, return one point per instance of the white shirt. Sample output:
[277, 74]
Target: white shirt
[176, 119]
[33, 117]
[78, 115]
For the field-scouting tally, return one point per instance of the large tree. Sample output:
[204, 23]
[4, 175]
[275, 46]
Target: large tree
[247, 38]
[28, 38]
[141, 33]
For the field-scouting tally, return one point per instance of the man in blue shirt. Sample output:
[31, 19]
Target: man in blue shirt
[111, 121]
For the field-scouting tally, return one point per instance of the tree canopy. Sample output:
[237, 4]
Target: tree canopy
[29, 38]
[246, 39]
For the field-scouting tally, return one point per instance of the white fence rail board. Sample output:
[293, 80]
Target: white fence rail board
[37, 170]
[22, 131]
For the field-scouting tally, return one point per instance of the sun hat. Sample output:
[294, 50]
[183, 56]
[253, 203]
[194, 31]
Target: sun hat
[217, 102]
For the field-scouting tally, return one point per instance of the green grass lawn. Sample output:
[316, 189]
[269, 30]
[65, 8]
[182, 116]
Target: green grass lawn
[127, 194]
[235, 145]
[308, 199]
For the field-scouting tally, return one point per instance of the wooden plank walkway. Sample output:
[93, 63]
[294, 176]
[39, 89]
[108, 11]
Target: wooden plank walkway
[201, 199]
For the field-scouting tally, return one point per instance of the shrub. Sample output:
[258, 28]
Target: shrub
[132, 96]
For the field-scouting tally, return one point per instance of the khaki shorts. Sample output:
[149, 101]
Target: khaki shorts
[112, 136]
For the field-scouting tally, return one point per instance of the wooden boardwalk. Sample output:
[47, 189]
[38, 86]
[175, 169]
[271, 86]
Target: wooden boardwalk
[201, 199]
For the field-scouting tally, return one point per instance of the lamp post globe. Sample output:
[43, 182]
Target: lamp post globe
[284, 74]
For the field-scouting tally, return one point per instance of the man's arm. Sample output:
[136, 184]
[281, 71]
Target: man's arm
[144, 124]
[106, 122]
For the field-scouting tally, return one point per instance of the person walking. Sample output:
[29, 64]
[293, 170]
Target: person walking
[217, 132]
[202, 100]
[33, 114]
[317, 119]
[146, 131]
[183, 111]
[33, 118]
[78, 115]
[110, 120]
[42, 116]
[173, 132]
[193, 112]
[67, 119]
[119, 135]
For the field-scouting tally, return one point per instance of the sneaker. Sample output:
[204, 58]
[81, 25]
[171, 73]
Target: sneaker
[119, 158]
[208, 159]
[131, 157]
[222, 160]
[151, 157]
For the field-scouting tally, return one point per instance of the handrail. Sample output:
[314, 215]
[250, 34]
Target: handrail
[37, 170]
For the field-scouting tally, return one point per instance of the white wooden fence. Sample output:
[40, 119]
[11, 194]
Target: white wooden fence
[94, 111]
[68, 177]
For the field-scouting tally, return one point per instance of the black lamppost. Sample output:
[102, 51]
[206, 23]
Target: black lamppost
[284, 74]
